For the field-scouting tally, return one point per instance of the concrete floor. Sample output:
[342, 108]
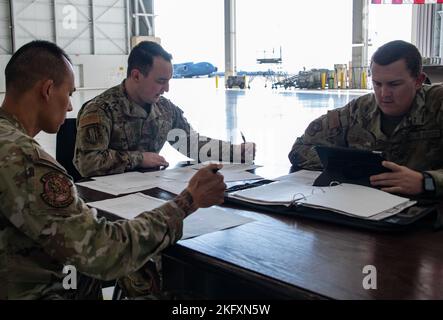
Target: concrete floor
[271, 118]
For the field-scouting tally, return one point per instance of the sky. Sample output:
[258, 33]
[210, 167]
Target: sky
[311, 33]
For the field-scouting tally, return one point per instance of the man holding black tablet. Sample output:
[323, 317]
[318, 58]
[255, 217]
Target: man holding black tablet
[403, 118]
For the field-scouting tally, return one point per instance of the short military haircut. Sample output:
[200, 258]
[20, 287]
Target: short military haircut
[36, 60]
[142, 56]
[397, 50]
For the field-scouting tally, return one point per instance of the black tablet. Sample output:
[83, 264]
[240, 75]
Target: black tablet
[348, 165]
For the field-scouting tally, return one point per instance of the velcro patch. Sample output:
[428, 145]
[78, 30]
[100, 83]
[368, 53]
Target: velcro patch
[333, 119]
[88, 120]
[93, 135]
[314, 127]
[56, 190]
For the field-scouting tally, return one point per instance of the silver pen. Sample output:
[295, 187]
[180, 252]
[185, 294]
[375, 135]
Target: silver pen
[243, 137]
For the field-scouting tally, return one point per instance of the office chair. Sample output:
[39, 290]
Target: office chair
[427, 79]
[64, 150]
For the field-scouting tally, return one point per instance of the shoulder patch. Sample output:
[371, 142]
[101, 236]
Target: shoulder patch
[314, 127]
[88, 120]
[56, 190]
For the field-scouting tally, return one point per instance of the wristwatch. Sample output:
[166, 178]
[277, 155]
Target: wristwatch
[428, 184]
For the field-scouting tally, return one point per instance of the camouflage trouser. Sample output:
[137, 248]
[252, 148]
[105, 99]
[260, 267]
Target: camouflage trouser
[142, 284]
[87, 289]
[145, 282]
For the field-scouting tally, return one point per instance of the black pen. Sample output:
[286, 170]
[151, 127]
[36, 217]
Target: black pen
[243, 137]
[215, 170]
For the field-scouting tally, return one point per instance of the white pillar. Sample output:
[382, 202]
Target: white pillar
[441, 34]
[360, 26]
[423, 27]
[230, 38]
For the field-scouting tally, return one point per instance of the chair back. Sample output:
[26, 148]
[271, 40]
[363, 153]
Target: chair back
[64, 150]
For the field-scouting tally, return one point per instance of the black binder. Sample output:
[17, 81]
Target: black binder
[425, 210]
[348, 165]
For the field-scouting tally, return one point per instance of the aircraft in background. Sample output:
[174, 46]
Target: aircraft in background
[191, 69]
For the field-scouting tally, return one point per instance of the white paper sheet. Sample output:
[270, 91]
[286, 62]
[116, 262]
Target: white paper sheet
[178, 174]
[230, 176]
[126, 180]
[305, 177]
[175, 187]
[209, 220]
[114, 190]
[227, 166]
[128, 207]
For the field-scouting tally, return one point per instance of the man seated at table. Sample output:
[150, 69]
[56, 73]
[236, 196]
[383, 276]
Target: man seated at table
[125, 127]
[402, 118]
[44, 225]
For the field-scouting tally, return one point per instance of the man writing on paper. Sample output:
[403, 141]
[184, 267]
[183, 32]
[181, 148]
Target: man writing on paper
[125, 127]
[403, 118]
[44, 225]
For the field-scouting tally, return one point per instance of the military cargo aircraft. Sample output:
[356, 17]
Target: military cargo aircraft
[191, 69]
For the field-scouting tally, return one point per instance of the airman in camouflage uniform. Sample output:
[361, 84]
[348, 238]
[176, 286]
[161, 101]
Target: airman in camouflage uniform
[411, 140]
[125, 127]
[113, 133]
[44, 225]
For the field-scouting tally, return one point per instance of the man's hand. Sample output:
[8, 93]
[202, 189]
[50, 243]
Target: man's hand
[401, 180]
[247, 151]
[152, 160]
[207, 187]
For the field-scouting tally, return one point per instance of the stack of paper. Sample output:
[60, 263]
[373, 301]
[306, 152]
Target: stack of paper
[360, 201]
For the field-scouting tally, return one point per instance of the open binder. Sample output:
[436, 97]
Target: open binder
[403, 218]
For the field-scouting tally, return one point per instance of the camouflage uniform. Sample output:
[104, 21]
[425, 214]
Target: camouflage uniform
[416, 142]
[44, 225]
[113, 132]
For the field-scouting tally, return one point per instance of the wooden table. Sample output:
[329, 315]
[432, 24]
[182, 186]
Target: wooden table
[281, 257]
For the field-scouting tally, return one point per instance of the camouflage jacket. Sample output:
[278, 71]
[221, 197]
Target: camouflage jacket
[416, 142]
[44, 225]
[113, 132]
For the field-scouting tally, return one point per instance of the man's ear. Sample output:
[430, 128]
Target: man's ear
[420, 80]
[46, 88]
[135, 74]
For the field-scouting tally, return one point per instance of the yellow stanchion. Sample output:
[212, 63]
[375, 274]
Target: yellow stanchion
[216, 82]
[323, 81]
[342, 80]
[364, 84]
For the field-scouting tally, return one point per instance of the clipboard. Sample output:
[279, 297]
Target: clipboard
[348, 165]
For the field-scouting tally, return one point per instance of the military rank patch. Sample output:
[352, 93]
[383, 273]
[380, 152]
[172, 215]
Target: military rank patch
[56, 190]
[314, 127]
